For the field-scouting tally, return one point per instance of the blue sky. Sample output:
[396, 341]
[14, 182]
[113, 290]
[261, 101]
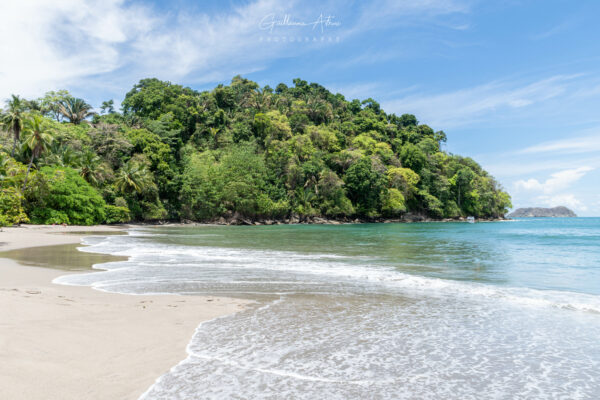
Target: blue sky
[514, 84]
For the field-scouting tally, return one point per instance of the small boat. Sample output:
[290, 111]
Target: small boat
[471, 220]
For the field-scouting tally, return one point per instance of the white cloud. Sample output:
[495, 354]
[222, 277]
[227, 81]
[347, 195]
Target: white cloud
[557, 181]
[559, 28]
[516, 166]
[464, 106]
[586, 144]
[47, 45]
[377, 13]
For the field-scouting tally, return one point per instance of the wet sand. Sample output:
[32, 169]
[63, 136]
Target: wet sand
[68, 342]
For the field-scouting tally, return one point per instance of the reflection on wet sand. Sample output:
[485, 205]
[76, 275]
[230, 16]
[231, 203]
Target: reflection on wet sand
[63, 256]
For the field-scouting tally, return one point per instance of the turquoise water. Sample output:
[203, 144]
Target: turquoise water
[384, 311]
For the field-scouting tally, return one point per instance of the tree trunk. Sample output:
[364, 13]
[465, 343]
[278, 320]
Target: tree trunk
[16, 134]
[27, 174]
[12, 153]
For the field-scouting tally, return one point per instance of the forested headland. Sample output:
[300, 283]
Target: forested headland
[237, 153]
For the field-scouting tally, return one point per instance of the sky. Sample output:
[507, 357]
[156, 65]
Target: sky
[514, 84]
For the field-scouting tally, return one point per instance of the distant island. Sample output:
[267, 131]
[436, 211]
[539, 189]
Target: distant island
[527, 212]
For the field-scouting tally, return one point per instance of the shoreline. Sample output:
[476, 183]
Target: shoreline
[307, 220]
[48, 329]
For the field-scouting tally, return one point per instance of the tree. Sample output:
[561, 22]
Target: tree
[13, 118]
[60, 154]
[151, 98]
[462, 181]
[133, 178]
[364, 185]
[404, 179]
[372, 105]
[393, 203]
[37, 139]
[90, 167]
[412, 157]
[108, 106]
[75, 110]
[407, 120]
[109, 142]
[50, 103]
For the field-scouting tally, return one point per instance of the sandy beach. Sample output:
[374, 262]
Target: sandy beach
[67, 342]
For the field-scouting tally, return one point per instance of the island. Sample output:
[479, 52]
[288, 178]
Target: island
[554, 212]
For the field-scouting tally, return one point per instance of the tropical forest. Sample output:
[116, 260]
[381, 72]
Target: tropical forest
[239, 153]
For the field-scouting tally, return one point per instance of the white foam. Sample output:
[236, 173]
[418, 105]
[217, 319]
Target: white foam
[323, 266]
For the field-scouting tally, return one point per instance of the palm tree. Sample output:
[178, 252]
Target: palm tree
[75, 110]
[108, 106]
[259, 99]
[133, 177]
[36, 139]
[61, 154]
[90, 167]
[319, 111]
[305, 197]
[13, 119]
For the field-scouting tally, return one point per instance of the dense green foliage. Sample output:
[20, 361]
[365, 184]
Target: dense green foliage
[236, 151]
[60, 195]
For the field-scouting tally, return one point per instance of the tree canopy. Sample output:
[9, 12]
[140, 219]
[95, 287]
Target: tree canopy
[238, 150]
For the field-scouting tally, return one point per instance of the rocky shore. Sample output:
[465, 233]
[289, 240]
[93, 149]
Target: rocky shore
[319, 220]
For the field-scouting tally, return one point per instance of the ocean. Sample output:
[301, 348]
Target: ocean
[491, 310]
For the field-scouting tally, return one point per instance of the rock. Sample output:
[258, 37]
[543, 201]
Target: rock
[556, 212]
[269, 222]
[222, 221]
[413, 217]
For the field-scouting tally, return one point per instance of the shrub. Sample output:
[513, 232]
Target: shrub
[11, 208]
[60, 195]
[393, 203]
[116, 214]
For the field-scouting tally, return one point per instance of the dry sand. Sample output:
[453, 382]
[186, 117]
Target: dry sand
[67, 342]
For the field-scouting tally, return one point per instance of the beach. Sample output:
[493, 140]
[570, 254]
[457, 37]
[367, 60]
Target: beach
[73, 342]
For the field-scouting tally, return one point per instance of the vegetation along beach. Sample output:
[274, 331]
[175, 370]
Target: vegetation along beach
[238, 153]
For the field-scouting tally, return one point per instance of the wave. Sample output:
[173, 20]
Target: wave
[287, 268]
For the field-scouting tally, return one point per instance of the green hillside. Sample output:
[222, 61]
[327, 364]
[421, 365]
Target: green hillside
[238, 151]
